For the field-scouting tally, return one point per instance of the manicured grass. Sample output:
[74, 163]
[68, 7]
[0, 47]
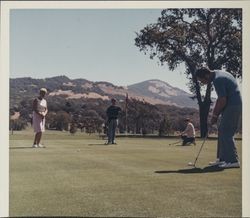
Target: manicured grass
[79, 176]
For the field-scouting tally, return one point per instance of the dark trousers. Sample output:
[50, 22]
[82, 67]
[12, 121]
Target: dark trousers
[187, 140]
[112, 124]
[226, 149]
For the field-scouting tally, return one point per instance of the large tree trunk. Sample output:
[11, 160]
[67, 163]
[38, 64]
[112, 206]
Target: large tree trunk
[204, 111]
[204, 104]
[204, 107]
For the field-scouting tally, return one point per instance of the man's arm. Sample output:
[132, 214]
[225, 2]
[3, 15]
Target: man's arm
[219, 106]
[186, 130]
[107, 116]
[119, 110]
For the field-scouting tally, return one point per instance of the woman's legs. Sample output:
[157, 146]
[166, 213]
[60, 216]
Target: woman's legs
[37, 139]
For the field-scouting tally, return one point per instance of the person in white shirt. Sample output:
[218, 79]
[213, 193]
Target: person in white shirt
[38, 121]
[188, 135]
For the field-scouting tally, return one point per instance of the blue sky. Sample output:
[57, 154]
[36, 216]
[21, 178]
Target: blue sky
[94, 44]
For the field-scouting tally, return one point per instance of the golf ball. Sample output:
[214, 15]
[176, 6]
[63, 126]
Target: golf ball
[190, 163]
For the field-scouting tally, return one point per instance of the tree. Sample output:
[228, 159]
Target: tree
[91, 121]
[58, 121]
[17, 124]
[142, 117]
[196, 37]
[165, 126]
[73, 128]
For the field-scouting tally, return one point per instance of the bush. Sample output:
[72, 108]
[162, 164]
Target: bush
[18, 124]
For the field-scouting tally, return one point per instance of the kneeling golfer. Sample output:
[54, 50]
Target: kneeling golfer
[112, 115]
[188, 135]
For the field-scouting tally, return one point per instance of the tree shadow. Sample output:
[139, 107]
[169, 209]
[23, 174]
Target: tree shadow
[209, 169]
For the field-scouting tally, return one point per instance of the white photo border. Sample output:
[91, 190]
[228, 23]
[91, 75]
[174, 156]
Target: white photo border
[6, 6]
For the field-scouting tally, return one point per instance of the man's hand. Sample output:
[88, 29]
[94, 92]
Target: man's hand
[219, 106]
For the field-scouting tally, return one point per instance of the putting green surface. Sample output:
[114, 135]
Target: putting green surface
[79, 176]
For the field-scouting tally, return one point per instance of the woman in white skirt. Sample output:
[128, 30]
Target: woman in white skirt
[39, 112]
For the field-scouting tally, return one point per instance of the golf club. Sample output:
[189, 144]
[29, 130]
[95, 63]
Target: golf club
[193, 164]
[175, 143]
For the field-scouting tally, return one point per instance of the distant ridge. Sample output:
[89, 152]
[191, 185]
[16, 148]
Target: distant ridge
[163, 91]
[152, 91]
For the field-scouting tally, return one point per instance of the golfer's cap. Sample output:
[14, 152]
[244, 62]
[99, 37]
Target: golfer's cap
[187, 119]
[43, 90]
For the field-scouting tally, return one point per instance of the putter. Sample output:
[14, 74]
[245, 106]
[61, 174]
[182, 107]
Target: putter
[193, 164]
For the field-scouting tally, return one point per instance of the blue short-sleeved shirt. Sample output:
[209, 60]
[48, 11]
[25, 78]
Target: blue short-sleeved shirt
[113, 112]
[226, 86]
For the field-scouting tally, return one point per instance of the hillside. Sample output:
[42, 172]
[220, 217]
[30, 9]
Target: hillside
[151, 91]
[164, 93]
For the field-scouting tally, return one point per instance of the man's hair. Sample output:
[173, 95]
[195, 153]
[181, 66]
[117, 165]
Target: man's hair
[187, 119]
[202, 72]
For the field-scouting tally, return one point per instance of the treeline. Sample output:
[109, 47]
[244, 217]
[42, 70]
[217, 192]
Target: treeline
[89, 115]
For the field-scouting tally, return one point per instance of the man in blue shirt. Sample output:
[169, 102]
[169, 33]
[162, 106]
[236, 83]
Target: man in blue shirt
[229, 106]
[112, 115]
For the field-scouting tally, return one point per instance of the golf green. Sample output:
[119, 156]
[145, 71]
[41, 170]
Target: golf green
[139, 177]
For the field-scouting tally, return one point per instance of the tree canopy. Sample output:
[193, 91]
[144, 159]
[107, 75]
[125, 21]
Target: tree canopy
[195, 37]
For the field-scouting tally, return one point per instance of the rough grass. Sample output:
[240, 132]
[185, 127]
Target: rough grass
[79, 176]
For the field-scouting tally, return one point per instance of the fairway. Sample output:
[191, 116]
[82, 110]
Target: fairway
[79, 176]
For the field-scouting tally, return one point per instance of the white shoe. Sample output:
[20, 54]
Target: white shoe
[40, 146]
[34, 146]
[107, 143]
[230, 165]
[216, 163]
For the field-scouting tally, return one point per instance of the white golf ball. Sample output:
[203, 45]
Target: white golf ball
[190, 163]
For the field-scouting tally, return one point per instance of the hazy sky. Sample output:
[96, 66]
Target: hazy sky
[94, 44]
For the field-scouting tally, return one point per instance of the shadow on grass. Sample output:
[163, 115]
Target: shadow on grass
[20, 147]
[27, 147]
[209, 169]
[180, 145]
[101, 144]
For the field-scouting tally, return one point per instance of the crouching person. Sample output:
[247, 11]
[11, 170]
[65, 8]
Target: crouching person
[188, 135]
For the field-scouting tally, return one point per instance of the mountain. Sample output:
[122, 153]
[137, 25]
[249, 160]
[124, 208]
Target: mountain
[164, 93]
[152, 91]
